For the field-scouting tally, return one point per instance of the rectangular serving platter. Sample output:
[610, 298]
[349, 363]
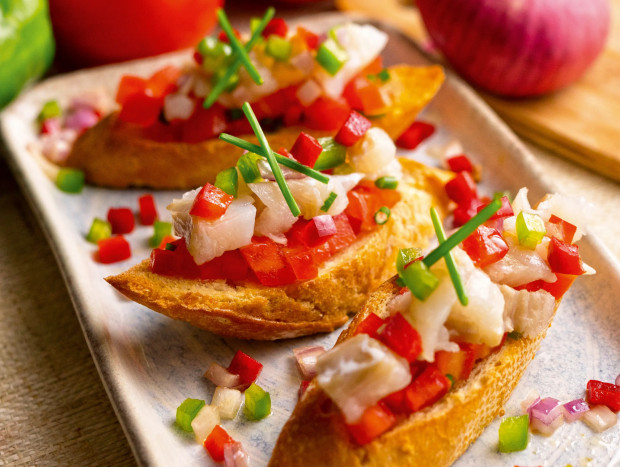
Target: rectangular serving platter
[149, 363]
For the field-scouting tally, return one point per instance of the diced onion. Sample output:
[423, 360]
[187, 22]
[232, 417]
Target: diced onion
[81, 119]
[178, 106]
[304, 62]
[220, 376]
[235, 456]
[546, 430]
[530, 400]
[204, 422]
[308, 92]
[600, 417]
[325, 225]
[546, 410]
[306, 358]
[574, 410]
[57, 146]
[227, 401]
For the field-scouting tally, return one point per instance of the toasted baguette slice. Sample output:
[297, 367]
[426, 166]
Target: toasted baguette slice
[436, 436]
[253, 311]
[116, 154]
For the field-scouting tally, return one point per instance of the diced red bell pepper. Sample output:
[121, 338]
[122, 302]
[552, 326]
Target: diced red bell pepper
[326, 114]
[223, 37]
[276, 104]
[147, 211]
[397, 400]
[485, 246]
[246, 367]
[234, 266]
[460, 163]
[354, 127]
[321, 253]
[375, 421]
[301, 260]
[211, 202]
[462, 188]
[198, 58]
[365, 95]
[505, 209]
[140, 108]
[276, 26]
[426, 389]
[121, 219]
[311, 39]
[305, 232]
[601, 393]
[370, 325]
[267, 262]
[215, 443]
[564, 258]
[203, 124]
[293, 115]
[164, 241]
[466, 211]
[458, 364]
[128, 86]
[373, 67]
[557, 288]
[164, 262]
[364, 201]
[164, 81]
[415, 134]
[344, 235]
[561, 229]
[176, 263]
[306, 149]
[401, 337]
[113, 249]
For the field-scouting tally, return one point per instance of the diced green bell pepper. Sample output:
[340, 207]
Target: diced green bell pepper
[160, 230]
[257, 403]
[387, 183]
[406, 256]
[49, 110]
[215, 53]
[331, 56]
[248, 168]
[99, 230]
[70, 180]
[278, 48]
[530, 229]
[514, 433]
[332, 156]
[419, 279]
[228, 181]
[186, 412]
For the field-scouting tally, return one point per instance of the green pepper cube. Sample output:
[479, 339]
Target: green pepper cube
[160, 230]
[50, 109]
[214, 54]
[99, 230]
[70, 180]
[333, 154]
[278, 48]
[514, 433]
[331, 56]
[530, 229]
[406, 256]
[386, 183]
[228, 181]
[186, 412]
[257, 403]
[248, 168]
[254, 24]
[419, 279]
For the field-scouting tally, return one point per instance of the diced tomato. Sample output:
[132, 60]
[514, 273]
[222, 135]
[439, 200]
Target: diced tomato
[564, 257]
[140, 108]
[557, 288]
[365, 95]
[466, 211]
[505, 209]
[121, 219]
[164, 81]
[305, 232]
[462, 188]
[301, 260]
[246, 367]
[415, 134]
[354, 127]
[426, 389]
[113, 249]
[215, 443]
[370, 325]
[267, 262]
[128, 86]
[401, 337]
[164, 241]
[275, 104]
[460, 163]
[322, 253]
[211, 202]
[176, 263]
[452, 363]
[561, 229]
[223, 37]
[203, 124]
[306, 149]
[311, 39]
[234, 266]
[164, 262]
[326, 114]
[375, 421]
[374, 67]
[344, 235]
[350, 92]
[364, 201]
[293, 115]
[276, 26]
[485, 246]
[147, 211]
[601, 393]
[198, 58]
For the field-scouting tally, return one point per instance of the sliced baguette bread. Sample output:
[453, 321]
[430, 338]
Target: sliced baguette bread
[436, 436]
[118, 155]
[253, 311]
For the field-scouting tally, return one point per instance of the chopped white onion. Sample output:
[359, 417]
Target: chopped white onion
[227, 400]
[308, 92]
[57, 146]
[304, 62]
[220, 376]
[600, 417]
[204, 422]
[532, 398]
[235, 456]
[178, 106]
[306, 358]
[574, 410]
[267, 173]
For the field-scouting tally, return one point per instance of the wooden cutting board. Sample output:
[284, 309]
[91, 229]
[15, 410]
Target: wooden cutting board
[581, 122]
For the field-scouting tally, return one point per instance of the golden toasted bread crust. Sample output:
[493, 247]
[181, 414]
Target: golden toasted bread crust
[316, 434]
[117, 155]
[252, 311]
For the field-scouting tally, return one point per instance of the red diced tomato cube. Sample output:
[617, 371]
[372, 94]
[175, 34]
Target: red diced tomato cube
[426, 389]
[374, 67]
[211, 270]
[485, 246]
[365, 95]
[557, 288]
[293, 115]
[451, 363]
[234, 266]
[354, 127]
[375, 421]
[113, 249]
[121, 219]
[276, 26]
[344, 235]
[164, 241]
[301, 261]
[370, 325]
[204, 124]
[267, 262]
[211, 202]
[305, 232]
[176, 263]
[415, 134]
[128, 86]
[462, 188]
[601, 393]
[164, 262]
[466, 211]
[140, 108]
[321, 253]
[311, 39]
[215, 443]
[401, 337]
[460, 163]
[223, 37]
[326, 114]
[561, 229]
[147, 211]
[505, 209]
[306, 149]
[275, 104]
[246, 367]
[564, 257]
[164, 81]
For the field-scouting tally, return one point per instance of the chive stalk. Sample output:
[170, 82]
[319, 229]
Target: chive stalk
[329, 201]
[238, 47]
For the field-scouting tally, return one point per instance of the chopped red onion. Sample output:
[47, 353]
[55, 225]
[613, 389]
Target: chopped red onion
[81, 119]
[235, 456]
[325, 225]
[530, 400]
[306, 359]
[546, 429]
[220, 376]
[51, 126]
[574, 410]
[546, 410]
[600, 417]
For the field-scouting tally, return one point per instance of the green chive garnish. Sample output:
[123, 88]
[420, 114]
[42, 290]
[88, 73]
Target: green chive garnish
[382, 215]
[238, 47]
[285, 161]
[273, 163]
[329, 201]
[386, 183]
[454, 273]
[221, 85]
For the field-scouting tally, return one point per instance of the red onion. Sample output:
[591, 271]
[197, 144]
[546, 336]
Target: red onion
[600, 417]
[220, 376]
[306, 360]
[546, 429]
[81, 119]
[235, 456]
[518, 48]
[325, 225]
[546, 410]
[574, 410]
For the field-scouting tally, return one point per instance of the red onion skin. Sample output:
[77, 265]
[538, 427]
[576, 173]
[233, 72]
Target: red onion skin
[518, 48]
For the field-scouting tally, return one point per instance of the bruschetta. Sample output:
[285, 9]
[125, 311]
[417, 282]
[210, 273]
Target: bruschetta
[418, 375]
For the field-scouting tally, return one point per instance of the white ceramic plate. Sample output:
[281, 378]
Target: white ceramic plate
[150, 363]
